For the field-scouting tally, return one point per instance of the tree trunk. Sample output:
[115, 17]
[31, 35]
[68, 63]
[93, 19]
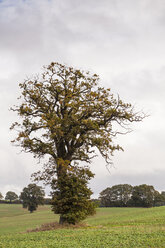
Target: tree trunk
[62, 220]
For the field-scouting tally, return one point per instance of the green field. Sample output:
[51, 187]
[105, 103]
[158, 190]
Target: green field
[110, 227]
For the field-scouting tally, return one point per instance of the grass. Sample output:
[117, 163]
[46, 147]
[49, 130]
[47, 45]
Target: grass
[110, 227]
[15, 219]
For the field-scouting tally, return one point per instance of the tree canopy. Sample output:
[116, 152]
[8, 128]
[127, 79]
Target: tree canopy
[65, 115]
[69, 117]
[32, 196]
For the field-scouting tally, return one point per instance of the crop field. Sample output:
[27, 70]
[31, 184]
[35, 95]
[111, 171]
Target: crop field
[109, 228]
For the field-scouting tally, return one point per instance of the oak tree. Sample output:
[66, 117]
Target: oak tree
[67, 116]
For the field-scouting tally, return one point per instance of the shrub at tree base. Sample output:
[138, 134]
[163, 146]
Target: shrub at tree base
[71, 195]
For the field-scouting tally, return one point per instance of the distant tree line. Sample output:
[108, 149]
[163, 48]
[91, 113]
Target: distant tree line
[125, 195]
[122, 195]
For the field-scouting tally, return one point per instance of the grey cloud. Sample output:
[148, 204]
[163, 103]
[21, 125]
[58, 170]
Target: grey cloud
[122, 41]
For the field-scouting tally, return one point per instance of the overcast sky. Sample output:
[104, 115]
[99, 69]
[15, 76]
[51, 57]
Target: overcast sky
[121, 40]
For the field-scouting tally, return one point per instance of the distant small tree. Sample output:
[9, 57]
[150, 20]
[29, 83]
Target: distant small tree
[163, 193]
[11, 196]
[1, 196]
[162, 198]
[159, 199]
[144, 196]
[32, 196]
[116, 196]
[104, 197]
